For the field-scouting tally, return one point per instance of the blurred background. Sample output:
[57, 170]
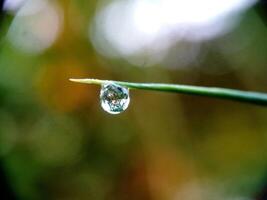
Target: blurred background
[57, 143]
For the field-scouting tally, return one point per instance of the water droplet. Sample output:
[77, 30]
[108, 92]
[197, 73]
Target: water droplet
[114, 98]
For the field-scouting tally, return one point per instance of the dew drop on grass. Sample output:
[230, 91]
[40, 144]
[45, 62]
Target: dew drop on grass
[114, 98]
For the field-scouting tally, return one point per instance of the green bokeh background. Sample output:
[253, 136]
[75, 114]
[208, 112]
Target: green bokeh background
[57, 143]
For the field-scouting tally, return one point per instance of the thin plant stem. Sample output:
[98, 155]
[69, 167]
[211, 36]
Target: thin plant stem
[220, 93]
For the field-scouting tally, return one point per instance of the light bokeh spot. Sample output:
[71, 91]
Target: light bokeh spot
[35, 27]
[135, 29]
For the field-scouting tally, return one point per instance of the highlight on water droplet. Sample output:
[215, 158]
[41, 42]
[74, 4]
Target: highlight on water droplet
[114, 98]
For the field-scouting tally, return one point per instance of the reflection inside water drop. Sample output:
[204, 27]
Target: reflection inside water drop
[114, 98]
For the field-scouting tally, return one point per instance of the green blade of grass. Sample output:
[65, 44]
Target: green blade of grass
[220, 93]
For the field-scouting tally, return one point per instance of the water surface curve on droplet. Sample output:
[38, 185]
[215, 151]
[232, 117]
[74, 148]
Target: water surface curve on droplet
[114, 98]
